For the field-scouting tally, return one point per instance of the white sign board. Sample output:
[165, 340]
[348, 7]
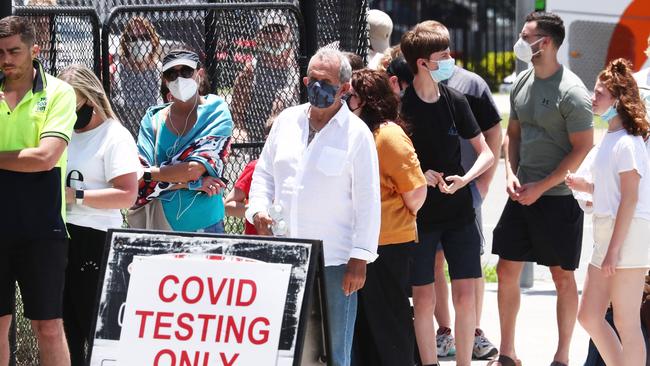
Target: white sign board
[202, 312]
[123, 246]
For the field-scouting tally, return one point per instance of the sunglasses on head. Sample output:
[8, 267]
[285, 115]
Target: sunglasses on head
[172, 74]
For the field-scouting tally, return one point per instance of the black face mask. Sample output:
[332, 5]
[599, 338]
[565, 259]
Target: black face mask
[84, 115]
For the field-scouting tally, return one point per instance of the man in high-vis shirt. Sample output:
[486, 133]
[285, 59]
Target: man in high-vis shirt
[37, 114]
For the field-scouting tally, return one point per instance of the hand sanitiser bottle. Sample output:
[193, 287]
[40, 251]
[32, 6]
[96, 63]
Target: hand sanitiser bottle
[279, 226]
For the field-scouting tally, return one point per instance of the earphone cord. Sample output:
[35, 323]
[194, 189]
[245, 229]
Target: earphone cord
[174, 146]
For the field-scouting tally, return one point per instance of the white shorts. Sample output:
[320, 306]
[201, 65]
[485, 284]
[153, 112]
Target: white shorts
[634, 251]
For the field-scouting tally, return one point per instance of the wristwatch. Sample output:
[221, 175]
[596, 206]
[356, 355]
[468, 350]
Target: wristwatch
[79, 196]
[147, 175]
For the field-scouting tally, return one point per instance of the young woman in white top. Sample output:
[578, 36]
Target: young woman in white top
[621, 219]
[102, 178]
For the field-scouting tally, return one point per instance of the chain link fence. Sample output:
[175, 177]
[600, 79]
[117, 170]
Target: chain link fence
[254, 56]
[251, 55]
[104, 7]
[65, 36]
[24, 348]
[338, 24]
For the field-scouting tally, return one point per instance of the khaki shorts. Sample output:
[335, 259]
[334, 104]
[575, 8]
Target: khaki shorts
[634, 251]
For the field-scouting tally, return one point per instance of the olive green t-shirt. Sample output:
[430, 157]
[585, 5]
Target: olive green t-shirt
[548, 111]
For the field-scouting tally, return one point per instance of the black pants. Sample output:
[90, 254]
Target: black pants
[85, 254]
[384, 334]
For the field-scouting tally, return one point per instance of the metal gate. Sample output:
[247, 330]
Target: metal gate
[482, 31]
[230, 39]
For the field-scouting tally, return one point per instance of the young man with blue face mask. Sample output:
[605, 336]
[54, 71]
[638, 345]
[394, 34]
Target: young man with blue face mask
[484, 109]
[440, 116]
[320, 165]
[550, 131]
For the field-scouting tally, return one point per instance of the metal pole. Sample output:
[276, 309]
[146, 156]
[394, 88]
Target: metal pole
[211, 47]
[5, 8]
[523, 8]
[309, 9]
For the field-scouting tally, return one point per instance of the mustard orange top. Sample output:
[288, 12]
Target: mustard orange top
[399, 172]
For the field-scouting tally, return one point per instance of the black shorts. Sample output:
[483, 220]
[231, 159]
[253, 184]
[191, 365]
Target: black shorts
[548, 232]
[462, 248]
[39, 268]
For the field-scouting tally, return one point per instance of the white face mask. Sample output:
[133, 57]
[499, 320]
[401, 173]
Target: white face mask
[140, 50]
[183, 89]
[277, 50]
[524, 50]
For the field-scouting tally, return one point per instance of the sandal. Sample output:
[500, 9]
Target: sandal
[506, 361]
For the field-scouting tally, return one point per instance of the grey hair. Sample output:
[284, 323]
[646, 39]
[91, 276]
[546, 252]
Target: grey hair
[330, 54]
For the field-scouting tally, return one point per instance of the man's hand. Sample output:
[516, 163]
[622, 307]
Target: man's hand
[355, 276]
[456, 182]
[262, 223]
[70, 195]
[513, 187]
[530, 193]
[433, 178]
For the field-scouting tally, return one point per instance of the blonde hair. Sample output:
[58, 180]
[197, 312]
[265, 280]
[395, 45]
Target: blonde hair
[42, 3]
[86, 85]
[389, 55]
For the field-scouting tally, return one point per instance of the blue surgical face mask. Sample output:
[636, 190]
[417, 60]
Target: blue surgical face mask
[609, 113]
[321, 94]
[444, 71]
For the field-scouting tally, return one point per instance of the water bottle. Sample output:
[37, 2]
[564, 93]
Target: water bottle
[279, 226]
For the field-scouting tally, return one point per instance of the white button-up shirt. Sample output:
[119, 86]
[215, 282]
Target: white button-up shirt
[328, 189]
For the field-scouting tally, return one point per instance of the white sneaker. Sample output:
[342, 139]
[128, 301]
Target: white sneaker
[445, 343]
[483, 348]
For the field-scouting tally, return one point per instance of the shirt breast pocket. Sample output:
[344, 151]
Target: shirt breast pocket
[331, 161]
[38, 121]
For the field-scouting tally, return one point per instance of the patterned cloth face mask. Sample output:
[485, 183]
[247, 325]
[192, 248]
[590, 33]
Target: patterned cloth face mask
[321, 94]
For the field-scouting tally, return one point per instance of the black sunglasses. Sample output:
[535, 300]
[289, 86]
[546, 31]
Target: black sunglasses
[172, 74]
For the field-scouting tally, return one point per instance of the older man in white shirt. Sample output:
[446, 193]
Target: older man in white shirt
[320, 165]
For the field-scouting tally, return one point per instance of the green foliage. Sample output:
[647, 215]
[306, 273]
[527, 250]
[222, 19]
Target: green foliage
[490, 273]
[599, 123]
[494, 67]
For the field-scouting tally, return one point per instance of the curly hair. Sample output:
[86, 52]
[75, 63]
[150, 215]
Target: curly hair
[380, 104]
[617, 78]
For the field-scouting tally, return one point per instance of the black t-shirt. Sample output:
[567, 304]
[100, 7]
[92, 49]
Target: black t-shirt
[436, 131]
[478, 95]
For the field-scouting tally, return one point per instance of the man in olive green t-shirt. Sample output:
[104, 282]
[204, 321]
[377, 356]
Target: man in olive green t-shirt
[550, 132]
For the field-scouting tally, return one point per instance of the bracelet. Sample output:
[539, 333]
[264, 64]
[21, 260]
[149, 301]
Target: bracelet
[146, 177]
[79, 196]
